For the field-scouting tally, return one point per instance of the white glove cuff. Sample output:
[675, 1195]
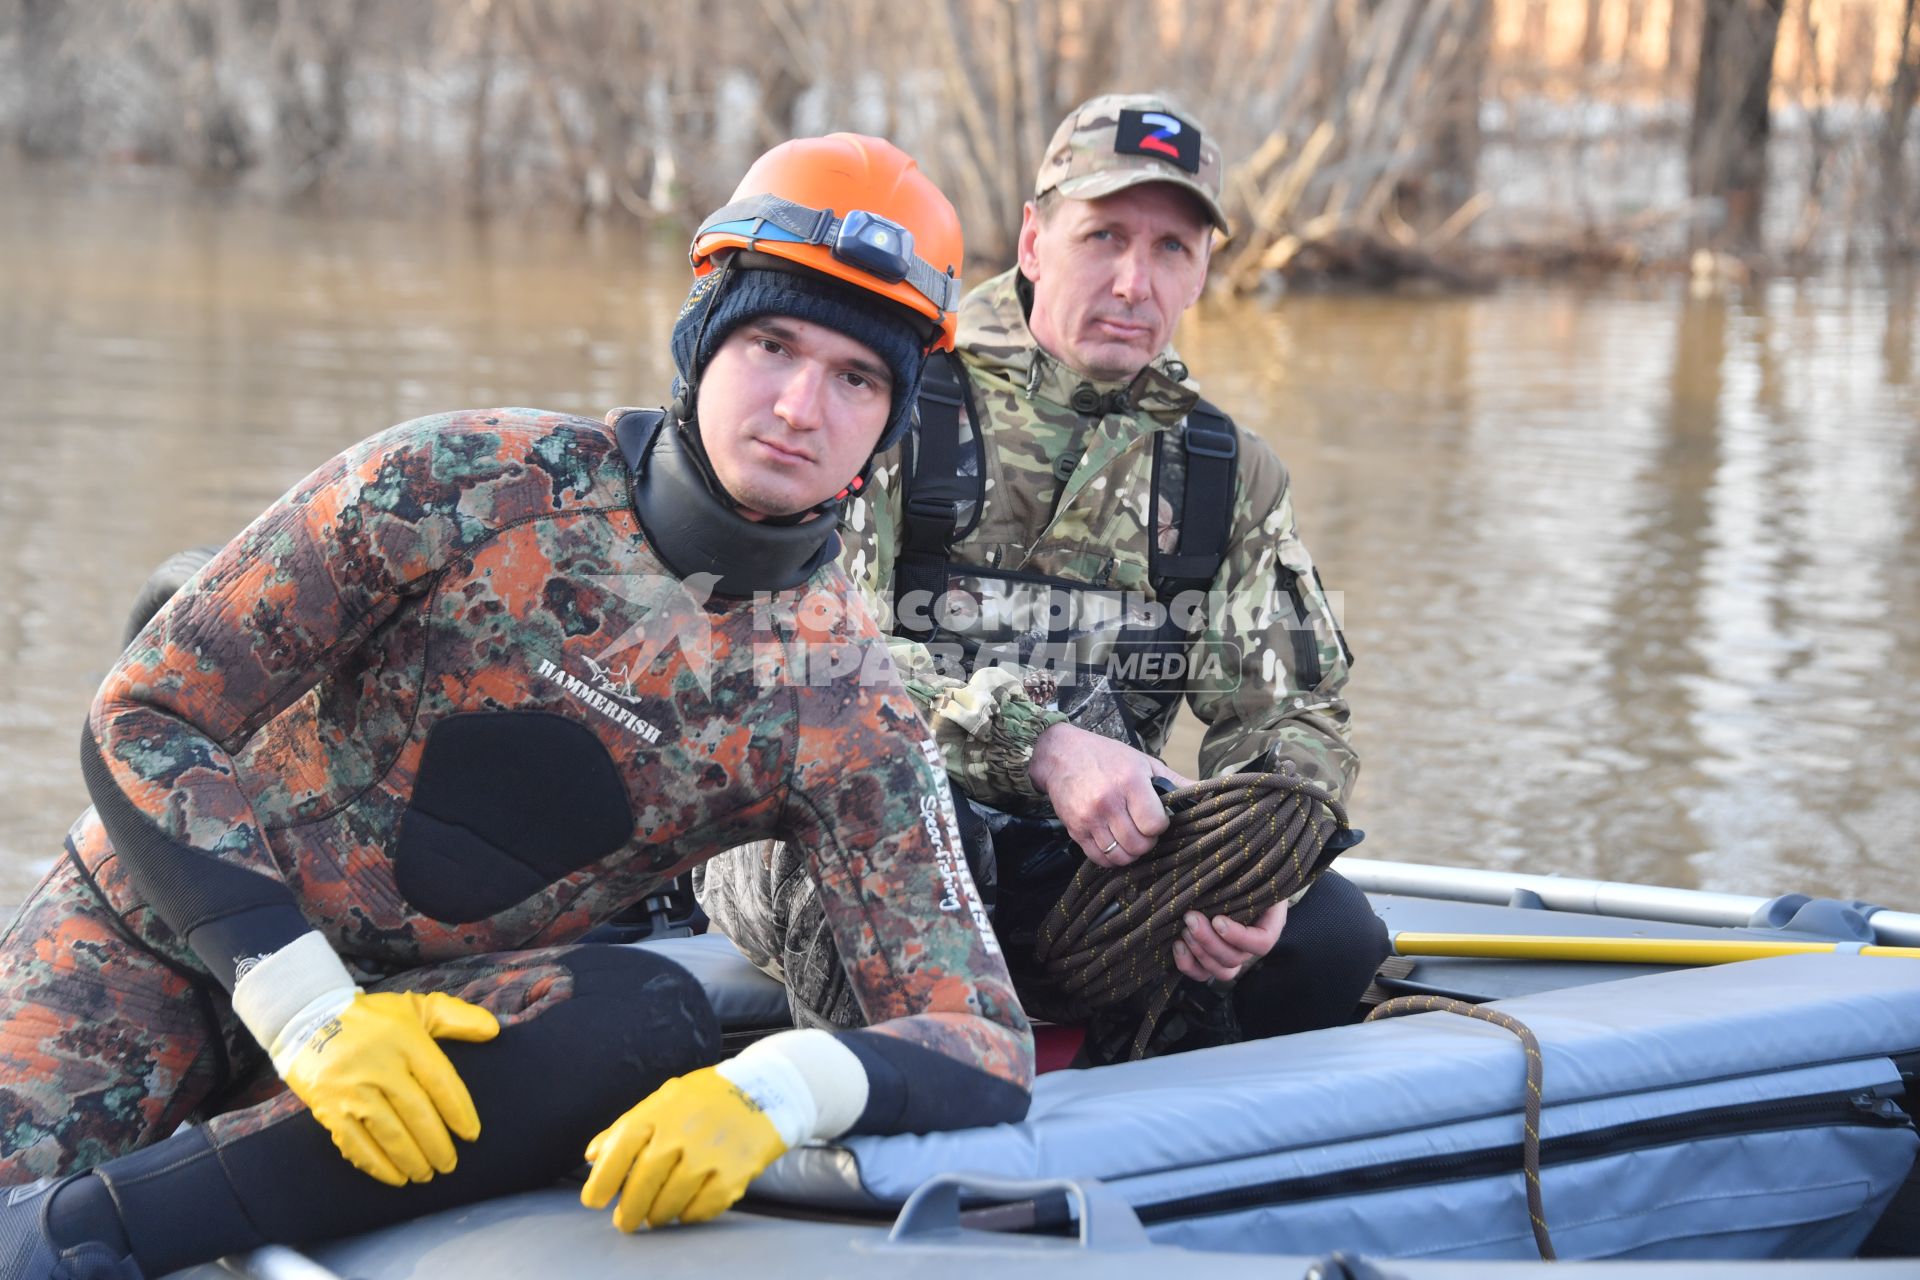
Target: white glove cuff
[809, 1084]
[290, 994]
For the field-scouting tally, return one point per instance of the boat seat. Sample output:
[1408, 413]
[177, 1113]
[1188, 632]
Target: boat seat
[744, 999]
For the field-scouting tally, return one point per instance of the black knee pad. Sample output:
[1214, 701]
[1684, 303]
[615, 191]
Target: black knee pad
[659, 994]
[632, 1021]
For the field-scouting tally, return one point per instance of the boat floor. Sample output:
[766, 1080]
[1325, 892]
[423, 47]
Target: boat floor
[547, 1233]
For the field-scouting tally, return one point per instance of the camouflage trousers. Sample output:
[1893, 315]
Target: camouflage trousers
[107, 1047]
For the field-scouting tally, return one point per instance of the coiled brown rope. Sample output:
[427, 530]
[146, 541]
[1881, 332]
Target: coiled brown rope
[1536, 1073]
[1235, 846]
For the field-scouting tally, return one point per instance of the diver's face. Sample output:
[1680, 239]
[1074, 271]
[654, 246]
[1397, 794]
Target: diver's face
[789, 413]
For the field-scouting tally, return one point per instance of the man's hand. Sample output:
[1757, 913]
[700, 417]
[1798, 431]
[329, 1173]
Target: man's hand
[1103, 792]
[1218, 949]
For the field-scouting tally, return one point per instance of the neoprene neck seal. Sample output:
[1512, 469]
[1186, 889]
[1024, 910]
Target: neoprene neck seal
[696, 531]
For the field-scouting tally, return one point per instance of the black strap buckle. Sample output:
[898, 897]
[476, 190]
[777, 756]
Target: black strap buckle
[1210, 443]
[926, 506]
[940, 391]
[930, 521]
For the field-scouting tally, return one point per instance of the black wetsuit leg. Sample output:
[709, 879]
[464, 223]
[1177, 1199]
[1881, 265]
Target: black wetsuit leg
[599, 1028]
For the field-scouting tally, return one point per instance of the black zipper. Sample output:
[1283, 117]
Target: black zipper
[1868, 1108]
[1306, 645]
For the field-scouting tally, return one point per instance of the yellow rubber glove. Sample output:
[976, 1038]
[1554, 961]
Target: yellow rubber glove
[374, 1078]
[688, 1152]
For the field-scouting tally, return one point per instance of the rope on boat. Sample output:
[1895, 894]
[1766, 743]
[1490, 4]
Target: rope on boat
[1235, 846]
[1530, 1140]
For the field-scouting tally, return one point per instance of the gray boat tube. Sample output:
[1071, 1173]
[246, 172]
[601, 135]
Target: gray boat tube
[1599, 897]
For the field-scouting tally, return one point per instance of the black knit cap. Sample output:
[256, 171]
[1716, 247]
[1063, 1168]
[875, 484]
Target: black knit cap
[734, 295]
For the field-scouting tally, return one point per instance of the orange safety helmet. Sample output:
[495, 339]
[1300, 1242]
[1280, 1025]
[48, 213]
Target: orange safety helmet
[854, 208]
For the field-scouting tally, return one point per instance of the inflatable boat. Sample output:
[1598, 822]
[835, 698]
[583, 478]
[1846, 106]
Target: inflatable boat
[1725, 1089]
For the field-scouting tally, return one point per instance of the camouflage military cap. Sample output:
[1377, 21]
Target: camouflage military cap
[1120, 140]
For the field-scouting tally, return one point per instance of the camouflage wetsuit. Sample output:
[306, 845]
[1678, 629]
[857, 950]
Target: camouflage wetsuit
[1266, 673]
[443, 704]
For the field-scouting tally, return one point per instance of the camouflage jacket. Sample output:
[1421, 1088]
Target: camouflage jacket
[442, 699]
[1274, 688]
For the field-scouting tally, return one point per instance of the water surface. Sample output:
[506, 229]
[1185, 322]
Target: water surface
[1631, 576]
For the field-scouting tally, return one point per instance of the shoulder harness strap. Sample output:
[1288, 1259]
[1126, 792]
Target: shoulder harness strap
[939, 506]
[1212, 446]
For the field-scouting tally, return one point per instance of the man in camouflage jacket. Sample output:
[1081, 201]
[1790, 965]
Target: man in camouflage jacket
[471, 687]
[1081, 400]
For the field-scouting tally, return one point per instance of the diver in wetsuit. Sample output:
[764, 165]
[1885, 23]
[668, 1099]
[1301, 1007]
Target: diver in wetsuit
[470, 688]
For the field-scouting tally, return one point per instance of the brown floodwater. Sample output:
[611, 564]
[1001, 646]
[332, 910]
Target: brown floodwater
[1633, 578]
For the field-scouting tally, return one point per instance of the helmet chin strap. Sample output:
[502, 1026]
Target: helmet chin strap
[686, 401]
[685, 406]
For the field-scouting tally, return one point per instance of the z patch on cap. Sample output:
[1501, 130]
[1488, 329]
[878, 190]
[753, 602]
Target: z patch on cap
[1155, 133]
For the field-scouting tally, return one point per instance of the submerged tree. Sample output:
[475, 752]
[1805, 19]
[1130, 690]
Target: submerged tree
[1727, 143]
[51, 111]
[1898, 194]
